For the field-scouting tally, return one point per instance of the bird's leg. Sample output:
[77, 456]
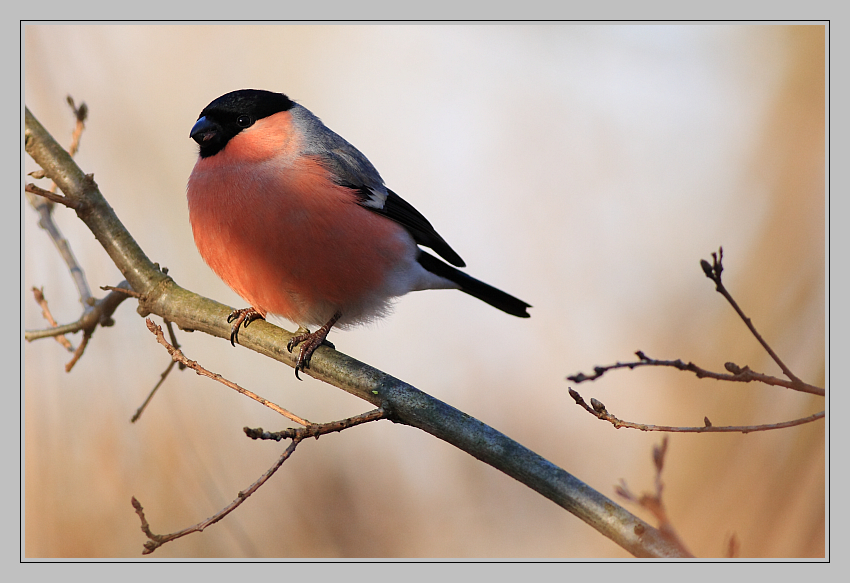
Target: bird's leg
[309, 343]
[237, 317]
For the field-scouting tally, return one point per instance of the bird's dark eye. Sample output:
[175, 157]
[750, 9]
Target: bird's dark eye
[244, 121]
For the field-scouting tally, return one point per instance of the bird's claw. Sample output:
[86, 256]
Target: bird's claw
[242, 318]
[309, 343]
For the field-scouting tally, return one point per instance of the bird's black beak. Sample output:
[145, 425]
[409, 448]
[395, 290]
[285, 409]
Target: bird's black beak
[204, 130]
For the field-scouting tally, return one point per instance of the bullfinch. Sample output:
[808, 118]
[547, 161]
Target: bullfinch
[299, 223]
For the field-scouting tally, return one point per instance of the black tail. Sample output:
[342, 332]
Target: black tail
[477, 289]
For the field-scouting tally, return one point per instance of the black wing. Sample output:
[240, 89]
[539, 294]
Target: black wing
[402, 212]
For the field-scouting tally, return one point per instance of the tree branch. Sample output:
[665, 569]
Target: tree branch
[597, 409]
[178, 356]
[316, 429]
[157, 540]
[739, 374]
[45, 312]
[713, 272]
[654, 502]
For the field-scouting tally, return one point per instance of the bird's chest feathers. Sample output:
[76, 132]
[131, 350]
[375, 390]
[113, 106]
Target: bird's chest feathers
[271, 196]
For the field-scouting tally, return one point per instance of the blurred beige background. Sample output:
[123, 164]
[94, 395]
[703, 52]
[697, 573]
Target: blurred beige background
[585, 169]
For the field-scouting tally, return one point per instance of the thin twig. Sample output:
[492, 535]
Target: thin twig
[178, 355]
[45, 312]
[72, 328]
[316, 429]
[597, 409]
[144, 405]
[295, 434]
[125, 291]
[80, 115]
[44, 208]
[173, 336]
[79, 351]
[51, 196]
[162, 376]
[654, 503]
[713, 272]
[739, 374]
[157, 540]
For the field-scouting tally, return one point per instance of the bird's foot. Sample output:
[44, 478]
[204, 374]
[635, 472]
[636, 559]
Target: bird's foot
[242, 318]
[309, 342]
